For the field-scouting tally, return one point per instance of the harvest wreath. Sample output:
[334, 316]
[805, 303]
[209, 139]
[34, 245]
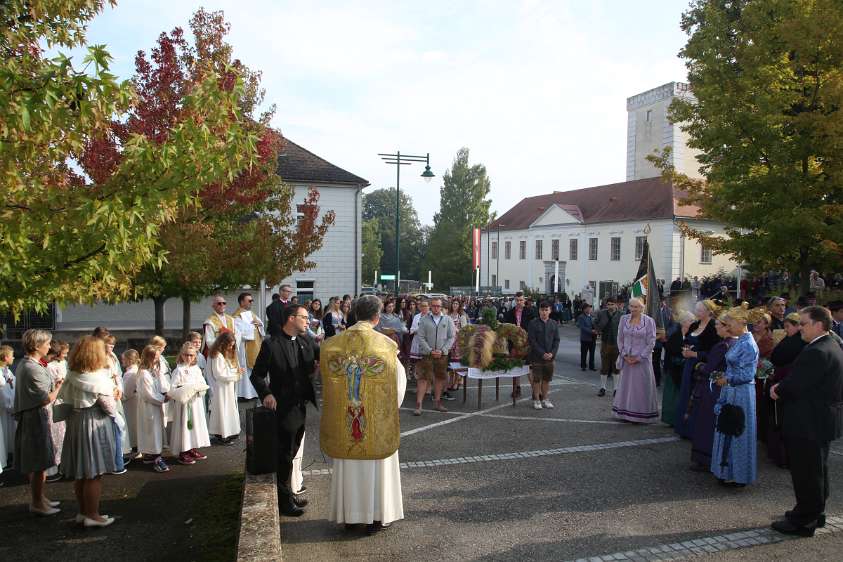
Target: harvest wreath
[487, 345]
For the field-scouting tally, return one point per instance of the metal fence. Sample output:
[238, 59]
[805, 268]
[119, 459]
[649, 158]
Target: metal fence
[11, 329]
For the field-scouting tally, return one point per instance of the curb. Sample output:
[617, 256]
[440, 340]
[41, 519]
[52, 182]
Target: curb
[258, 513]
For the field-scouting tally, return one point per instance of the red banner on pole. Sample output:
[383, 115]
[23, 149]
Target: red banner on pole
[475, 248]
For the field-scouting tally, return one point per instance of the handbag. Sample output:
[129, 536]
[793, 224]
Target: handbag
[731, 421]
[261, 441]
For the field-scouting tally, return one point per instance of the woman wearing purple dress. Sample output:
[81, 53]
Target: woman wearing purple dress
[636, 399]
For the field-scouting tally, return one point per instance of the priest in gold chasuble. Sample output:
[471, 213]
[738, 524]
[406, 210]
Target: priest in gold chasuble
[363, 385]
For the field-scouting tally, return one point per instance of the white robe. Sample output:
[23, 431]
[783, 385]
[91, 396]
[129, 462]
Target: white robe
[367, 491]
[183, 438]
[225, 417]
[116, 373]
[151, 391]
[296, 478]
[7, 409]
[244, 326]
[130, 404]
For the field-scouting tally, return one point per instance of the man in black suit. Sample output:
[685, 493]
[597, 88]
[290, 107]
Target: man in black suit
[521, 316]
[275, 311]
[289, 359]
[812, 416]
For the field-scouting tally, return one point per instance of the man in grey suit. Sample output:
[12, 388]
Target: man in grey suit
[812, 416]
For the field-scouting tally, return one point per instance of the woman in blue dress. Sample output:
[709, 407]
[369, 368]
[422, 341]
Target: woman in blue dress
[734, 459]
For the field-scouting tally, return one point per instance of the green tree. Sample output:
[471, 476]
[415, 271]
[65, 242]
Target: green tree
[69, 238]
[768, 117]
[380, 205]
[372, 252]
[463, 205]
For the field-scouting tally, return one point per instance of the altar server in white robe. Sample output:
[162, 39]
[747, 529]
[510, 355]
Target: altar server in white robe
[363, 491]
[190, 430]
[152, 395]
[251, 330]
[131, 362]
[222, 364]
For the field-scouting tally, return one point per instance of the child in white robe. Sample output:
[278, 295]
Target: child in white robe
[152, 391]
[57, 367]
[122, 431]
[190, 430]
[7, 402]
[131, 361]
[223, 367]
[195, 339]
[166, 374]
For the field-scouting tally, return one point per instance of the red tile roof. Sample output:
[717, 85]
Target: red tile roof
[644, 199]
[296, 163]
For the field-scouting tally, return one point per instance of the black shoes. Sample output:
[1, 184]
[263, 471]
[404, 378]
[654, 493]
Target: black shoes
[820, 519]
[785, 527]
[299, 500]
[376, 527]
[289, 508]
[601, 392]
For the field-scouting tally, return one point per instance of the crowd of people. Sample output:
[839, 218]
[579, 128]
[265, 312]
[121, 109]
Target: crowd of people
[732, 377]
[728, 378]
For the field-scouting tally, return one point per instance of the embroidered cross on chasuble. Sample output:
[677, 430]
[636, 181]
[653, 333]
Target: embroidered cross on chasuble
[360, 395]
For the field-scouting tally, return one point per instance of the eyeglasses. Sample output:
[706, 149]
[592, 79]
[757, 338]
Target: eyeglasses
[250, 300]
[219, 303]
[436, 306]
[305, 316]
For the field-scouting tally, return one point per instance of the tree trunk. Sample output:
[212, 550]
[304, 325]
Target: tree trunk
[804, 273]
[159, 315]
[185, 318]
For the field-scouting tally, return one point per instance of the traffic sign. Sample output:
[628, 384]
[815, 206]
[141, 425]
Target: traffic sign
[387, 277]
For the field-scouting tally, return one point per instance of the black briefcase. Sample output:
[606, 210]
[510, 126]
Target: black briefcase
[261, 441]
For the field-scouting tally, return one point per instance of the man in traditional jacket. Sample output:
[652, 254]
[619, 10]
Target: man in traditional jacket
[363, 385]
[251, 331]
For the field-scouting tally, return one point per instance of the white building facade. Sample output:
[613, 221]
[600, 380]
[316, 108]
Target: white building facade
[338, 262]
[594, 237]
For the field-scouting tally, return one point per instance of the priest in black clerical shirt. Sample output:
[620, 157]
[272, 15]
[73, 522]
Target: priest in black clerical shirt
[288, 358]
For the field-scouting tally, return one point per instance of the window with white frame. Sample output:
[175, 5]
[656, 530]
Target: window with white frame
[494, 280]
[522, 284]
[494, 250]
[507, 250]
[573, 250]
[554, 250]
[705, 254]
[539, 244]
[522, 250]
[615, 254]
[506, 283]
[639, 247]
[592, 249]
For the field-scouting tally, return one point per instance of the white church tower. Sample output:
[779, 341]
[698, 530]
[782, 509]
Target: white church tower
[649, 129]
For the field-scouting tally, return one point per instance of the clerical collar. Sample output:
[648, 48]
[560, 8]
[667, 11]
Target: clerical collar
[289, 337]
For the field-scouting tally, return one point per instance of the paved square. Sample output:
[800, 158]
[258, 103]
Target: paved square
[569, 483]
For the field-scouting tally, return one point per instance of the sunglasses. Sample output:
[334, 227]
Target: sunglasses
[219, 303]
[250, 300]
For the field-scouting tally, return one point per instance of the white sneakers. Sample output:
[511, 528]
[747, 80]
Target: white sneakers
[537, 405]
[88, 522]
[547, 404]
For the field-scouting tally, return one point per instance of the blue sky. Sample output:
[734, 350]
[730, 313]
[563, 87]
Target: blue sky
[536, 90]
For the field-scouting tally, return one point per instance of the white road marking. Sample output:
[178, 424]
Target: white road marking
[497, 457]
[569, 420]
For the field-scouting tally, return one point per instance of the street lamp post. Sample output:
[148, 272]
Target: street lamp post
[399, 160]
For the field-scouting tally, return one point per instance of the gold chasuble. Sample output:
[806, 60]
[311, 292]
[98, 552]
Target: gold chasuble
[252, 346]
[214, 321]
[360, 409]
